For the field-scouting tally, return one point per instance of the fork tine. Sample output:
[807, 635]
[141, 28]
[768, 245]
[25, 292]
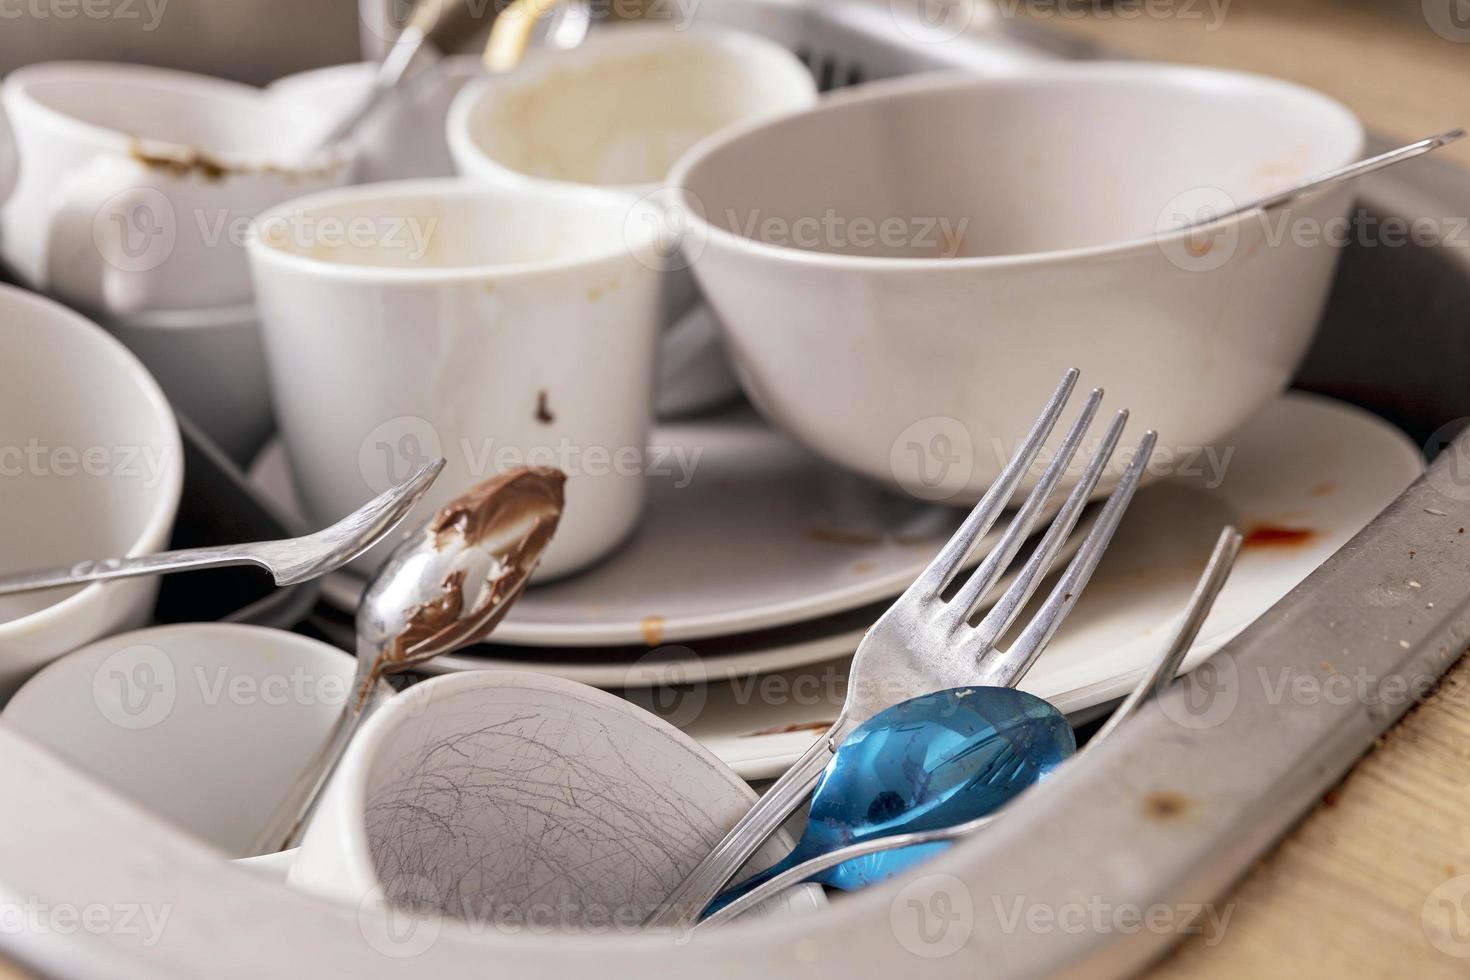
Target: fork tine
[951, 557]
[1012, 666]
[1004, 612]
[984, 578]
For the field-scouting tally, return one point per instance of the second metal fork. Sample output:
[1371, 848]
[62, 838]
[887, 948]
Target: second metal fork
[924, 642]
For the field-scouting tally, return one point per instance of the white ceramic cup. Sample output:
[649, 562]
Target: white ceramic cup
[616, 113]
[405, 137]
[205, 724]
[211, 364]
[503, 796]
[137, 185]
[405, 321]
[91, 466]
[903, 273]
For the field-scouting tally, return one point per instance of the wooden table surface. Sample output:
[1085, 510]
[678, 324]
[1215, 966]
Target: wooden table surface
[1362, 885]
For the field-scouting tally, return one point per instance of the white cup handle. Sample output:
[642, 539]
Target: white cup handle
[108, 231]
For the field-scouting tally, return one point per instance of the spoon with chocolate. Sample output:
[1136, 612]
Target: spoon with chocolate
[444, 587]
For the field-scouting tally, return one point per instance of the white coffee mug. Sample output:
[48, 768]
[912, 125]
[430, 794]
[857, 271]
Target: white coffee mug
[416, 319]
[137, 185]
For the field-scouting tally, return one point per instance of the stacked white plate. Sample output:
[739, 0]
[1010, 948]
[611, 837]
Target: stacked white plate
[734, 607]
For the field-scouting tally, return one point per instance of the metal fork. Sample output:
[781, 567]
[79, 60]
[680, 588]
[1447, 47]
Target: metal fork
[1153, 683]
[924, 642]
[290, 560]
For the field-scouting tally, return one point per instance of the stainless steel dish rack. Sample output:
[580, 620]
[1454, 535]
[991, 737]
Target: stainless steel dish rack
[1391, 341]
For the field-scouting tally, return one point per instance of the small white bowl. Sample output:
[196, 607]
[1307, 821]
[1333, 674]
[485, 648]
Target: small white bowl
[618, 111]
[505, 797]
[206, 724]
[904, 272]
[92, 467]
[211, 364]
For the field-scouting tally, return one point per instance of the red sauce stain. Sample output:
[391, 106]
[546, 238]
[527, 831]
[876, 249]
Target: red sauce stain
[1275, 536]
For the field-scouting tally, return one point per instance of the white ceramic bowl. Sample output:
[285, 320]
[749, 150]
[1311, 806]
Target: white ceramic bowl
[619, 110]
[206, 724]
[500, 796]
[211, 364]
[91, 466]
[905, 271]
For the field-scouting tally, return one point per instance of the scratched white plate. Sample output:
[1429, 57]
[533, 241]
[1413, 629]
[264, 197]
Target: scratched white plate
[1305, 476]
[744, 531]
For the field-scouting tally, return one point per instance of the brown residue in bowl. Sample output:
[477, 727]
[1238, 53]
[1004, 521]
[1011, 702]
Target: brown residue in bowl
[653, 630]
[828, 535]
[805, 726]
[1277, 536]
[181, 161]
[543, 410]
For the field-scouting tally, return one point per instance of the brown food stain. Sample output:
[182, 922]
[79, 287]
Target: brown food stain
[526, 504]
[181, 161]
[653, 630]
[827, 535]
[864, 567]
[543, 411]
[1166, 805]
[805, 726]
[1323, 489]
[1277, 536]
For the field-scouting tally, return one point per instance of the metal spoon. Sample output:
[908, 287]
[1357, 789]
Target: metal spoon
[1352, 170]
[289, 561]
[918, 846]
[444, 587]
[442, 26]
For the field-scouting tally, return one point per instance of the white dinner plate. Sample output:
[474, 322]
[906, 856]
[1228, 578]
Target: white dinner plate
[1301, 479]
[744, 531]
